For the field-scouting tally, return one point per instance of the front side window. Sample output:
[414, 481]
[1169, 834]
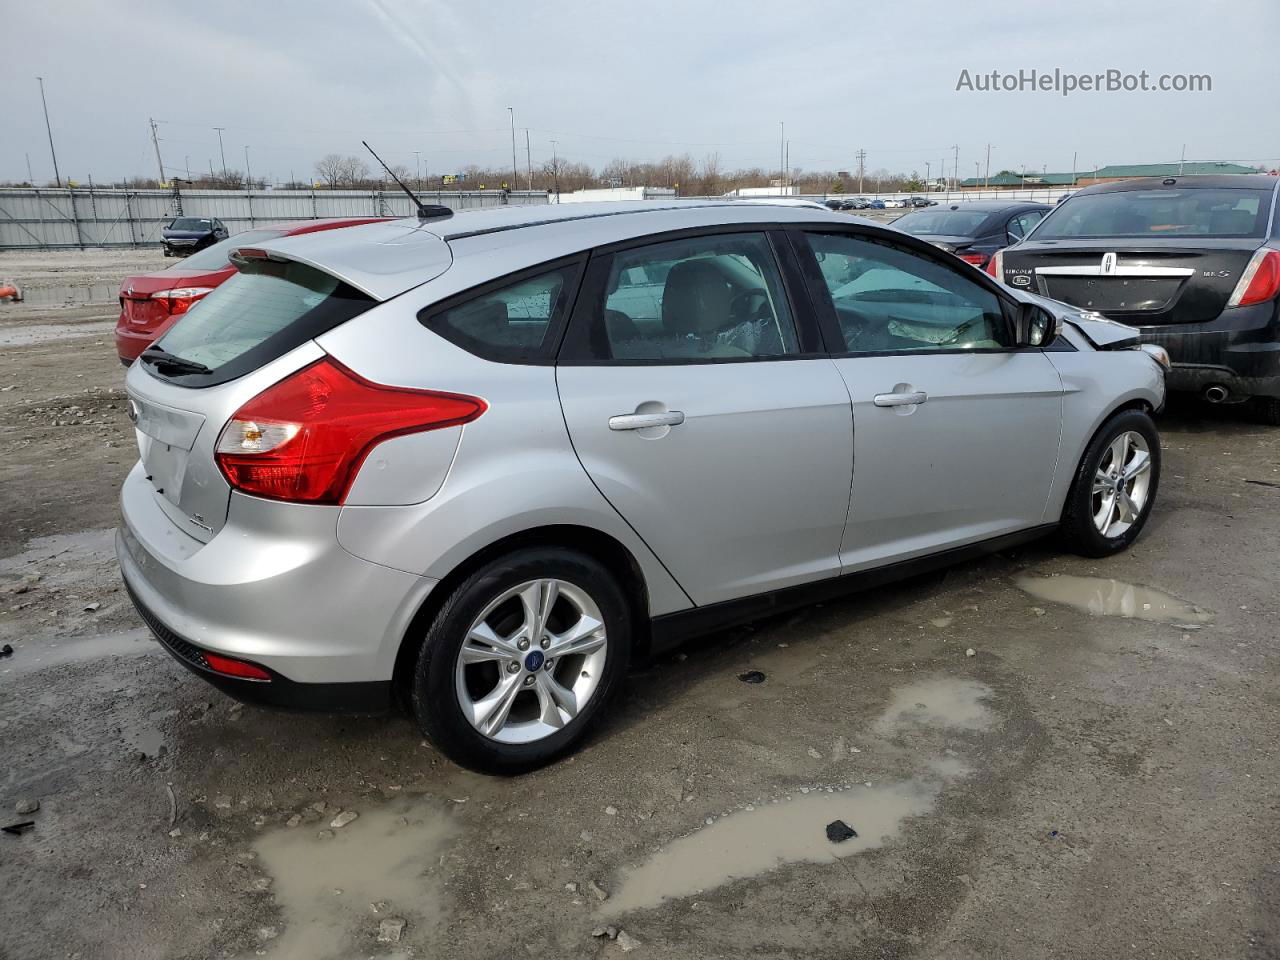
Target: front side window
[889, 299]
[510, 322]
[702, 298]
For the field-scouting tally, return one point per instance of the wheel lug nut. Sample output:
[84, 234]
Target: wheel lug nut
[523, 644]
[548, 665]
[528, 680]
[513, 666]
[546, 642]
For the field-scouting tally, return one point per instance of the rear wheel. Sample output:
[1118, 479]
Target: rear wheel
[1115, 486]
[521, 658]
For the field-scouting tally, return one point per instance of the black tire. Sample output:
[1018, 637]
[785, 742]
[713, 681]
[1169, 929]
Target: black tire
[1078, 529]
[1266, 410]
[434, 692]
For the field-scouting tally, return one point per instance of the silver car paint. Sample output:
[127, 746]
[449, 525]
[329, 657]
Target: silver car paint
[235, 581]
[749, 493]
[974, 460]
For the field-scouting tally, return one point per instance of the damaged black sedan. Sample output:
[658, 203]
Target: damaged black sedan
[1192, 262]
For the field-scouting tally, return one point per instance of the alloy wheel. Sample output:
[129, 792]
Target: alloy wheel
[1121, 484]
[531, 661]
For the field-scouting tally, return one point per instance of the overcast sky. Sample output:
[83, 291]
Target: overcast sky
[296, 79]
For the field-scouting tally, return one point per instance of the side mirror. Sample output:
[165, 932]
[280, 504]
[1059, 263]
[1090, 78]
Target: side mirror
[1034, 326]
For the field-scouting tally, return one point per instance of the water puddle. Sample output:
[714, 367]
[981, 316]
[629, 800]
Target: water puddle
[336, 887]
[938, 702]
[25, 336]
[1114, 598]
[36, 655]
[793, 830]
[752, 842]
[71, 294]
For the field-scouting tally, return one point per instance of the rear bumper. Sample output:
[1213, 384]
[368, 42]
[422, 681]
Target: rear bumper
[130, 343]
[273, 587]
[1239, 349]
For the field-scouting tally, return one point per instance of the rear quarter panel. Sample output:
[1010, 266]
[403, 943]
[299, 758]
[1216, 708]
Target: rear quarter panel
[514, 468]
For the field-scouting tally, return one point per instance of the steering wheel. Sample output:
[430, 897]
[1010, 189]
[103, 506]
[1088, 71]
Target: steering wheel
[752, 304]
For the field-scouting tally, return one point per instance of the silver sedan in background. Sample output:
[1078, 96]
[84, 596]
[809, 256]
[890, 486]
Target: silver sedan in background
[484, 461]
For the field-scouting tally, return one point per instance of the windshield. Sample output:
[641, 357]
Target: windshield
[191, 223]
[950, 223]
[1196, 212]
[260, 313]
[215, 257]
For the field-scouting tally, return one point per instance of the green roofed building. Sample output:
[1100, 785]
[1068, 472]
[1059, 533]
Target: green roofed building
[1009, 180]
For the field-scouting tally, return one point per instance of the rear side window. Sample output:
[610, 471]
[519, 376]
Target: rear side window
[702, 299]
[261, 313]
[1191, 212]
[517, 320]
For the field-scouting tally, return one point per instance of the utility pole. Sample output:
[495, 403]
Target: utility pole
[862, 163]
[987, 182]
[57, 177]
[928, 175]
[155, 142]
[1074, 155]
[1183, 159]
[248, 177]
[212, 176]
[555, 169]
[528, 160]
[786, 166]
[782, 163]
[417, 167]
[955, 167]
[221, 153]
[187, 158]
[514, 174]
[31, 177]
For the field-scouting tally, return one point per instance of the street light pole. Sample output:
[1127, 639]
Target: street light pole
[514, 174]
[555, 169]
[782, 163]
[417, 166]
[221, 153]
[57, 177]
[248, 176]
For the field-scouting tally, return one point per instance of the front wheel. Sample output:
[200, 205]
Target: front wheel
[521, 658]
[1114, 487]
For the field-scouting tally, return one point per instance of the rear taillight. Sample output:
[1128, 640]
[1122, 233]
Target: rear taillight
[1260, 280]
[995, 266]
[180, 299]
[305, 438]
[977, 259]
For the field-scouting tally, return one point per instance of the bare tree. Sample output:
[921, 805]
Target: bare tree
[338, 172]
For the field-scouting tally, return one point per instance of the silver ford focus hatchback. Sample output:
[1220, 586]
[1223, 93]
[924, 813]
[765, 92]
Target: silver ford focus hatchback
[479, 463]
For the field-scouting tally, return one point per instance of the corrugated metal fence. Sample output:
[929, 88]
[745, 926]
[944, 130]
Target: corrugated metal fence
[33, 219]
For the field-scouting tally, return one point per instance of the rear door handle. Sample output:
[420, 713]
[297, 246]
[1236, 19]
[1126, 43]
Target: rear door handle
[900, 399]
[638, 421]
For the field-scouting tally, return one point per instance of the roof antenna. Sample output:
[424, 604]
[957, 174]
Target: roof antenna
[426, 211]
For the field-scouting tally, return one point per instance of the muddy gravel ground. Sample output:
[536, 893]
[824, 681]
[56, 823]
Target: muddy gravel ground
[1085, 784]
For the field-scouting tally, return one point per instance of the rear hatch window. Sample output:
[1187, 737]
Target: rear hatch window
[942, 223]
[1192, 212]
[264, 311]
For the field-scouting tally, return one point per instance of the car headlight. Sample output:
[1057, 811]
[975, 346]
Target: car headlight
[1159, 354]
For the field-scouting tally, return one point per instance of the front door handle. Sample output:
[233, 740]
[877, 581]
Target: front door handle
[900, 399]
[639, 421]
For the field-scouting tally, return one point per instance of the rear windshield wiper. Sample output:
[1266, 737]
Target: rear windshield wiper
[176, 364]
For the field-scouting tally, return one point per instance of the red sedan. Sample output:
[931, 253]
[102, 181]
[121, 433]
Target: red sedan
[150, 302]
